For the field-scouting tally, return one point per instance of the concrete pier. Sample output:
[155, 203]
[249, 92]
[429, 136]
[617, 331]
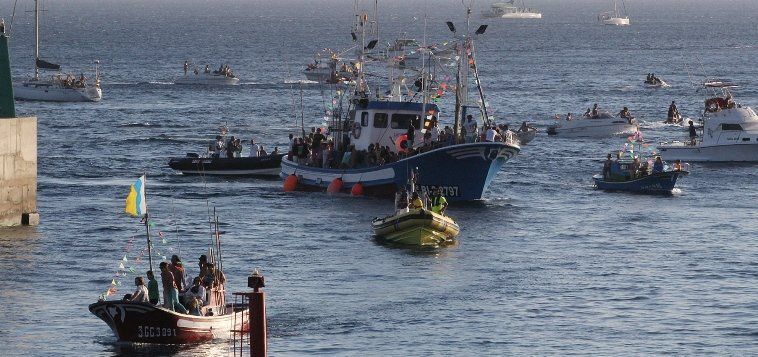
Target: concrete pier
[18, 171]
[18, 153]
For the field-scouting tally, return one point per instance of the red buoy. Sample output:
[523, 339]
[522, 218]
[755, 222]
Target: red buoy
[335, 186]
[357, 189]
[400, 143]
[290, 183]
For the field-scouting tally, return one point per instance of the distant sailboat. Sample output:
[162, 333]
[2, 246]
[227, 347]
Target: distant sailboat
[615, 17]
[59, 87]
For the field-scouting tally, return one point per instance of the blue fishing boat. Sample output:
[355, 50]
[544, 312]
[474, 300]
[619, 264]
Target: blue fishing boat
[376, 139]
[655, 183]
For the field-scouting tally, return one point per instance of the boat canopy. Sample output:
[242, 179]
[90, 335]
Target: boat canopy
[410, 106]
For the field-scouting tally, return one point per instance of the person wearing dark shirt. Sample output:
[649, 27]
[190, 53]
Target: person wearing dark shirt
[607, 167]
[658, 165]
[410, 135]
[693, 133]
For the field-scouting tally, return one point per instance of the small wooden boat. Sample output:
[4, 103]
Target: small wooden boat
[660, 182]
[193, 164]
[143, 322]
[416, 227]
[148, 323]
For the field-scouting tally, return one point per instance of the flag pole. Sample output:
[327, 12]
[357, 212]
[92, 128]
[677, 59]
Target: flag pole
[147, 228]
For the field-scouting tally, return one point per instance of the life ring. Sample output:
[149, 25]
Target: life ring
[401, 143]
[712, 105]
[356, 130]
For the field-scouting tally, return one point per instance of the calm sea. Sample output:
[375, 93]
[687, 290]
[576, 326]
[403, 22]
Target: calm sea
[545, 265]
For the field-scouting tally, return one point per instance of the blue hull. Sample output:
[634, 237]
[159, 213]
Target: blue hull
[656, 183]
[463, 172]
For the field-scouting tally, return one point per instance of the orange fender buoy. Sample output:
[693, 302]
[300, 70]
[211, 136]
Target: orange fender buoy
[357, 189]
[290, 183]
[335, 186]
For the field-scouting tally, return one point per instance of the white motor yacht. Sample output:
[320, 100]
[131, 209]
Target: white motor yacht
[601, 125]
[58, 87]
[729, 133]
[615, 17]
[509, 10]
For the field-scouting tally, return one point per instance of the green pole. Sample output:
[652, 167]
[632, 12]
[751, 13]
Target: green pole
[7, 106]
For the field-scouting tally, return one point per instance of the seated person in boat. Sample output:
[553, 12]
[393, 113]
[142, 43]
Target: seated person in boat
[677, 165]
[626, 114]
[153, 293]
[439, 203]
[607, 167]
[595, 112]
[616, 172]
[673, 113]
[141, 294]
[195, 296]
[658, 165]
[643, 170]
[416, 202]
[213, 277]
[207, 69]
[263, 151]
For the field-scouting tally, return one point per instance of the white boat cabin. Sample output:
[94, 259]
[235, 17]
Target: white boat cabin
[728, 123]
[387, 123]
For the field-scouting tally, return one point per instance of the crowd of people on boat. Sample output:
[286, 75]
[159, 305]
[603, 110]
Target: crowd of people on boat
[232, 148]
[318, 150]
[620, 170]
[178, 295]
[70, 81]
[223, 70]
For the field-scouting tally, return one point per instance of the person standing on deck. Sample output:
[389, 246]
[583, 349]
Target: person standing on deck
[693, 133]
[607, 167]
[152, 288]
[170, 293]
[255, 149]
[186, 67]
[177, 269]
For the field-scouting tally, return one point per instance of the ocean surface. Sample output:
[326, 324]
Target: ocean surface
[545, 265]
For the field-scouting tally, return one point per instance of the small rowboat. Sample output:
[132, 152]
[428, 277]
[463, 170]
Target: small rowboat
[656, 183]
[419, 227]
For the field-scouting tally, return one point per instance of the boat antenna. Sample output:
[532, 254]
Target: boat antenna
[302, 112]
[13, 16]
[36, 58]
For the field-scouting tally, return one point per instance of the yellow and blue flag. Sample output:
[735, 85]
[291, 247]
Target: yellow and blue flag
[135, 202]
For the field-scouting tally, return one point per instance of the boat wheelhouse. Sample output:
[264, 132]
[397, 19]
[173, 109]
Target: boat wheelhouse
[729, 132]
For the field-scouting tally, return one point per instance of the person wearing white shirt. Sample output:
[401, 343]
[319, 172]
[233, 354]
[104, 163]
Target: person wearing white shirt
[255, 149]
[435, 130]
[490, 135]
[140, 295]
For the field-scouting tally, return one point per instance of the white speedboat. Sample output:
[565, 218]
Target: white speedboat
[509, 10]
[729, 133]
[58, 87]
[615, 17]
[602, 125]
[208, 79]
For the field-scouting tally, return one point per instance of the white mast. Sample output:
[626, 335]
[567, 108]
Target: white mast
[36, 39]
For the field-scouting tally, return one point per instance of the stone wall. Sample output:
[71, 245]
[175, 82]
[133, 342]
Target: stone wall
[18, 171]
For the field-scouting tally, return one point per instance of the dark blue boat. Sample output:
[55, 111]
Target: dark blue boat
[657, 183]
